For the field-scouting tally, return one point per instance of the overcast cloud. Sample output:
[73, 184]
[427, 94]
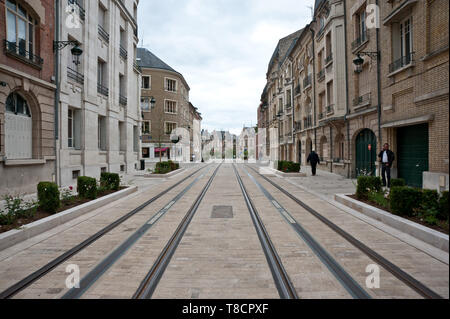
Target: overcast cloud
[222, 48]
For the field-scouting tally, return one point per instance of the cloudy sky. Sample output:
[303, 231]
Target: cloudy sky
[222, 48]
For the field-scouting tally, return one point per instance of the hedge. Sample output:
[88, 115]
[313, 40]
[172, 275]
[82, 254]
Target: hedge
[48, 197]
[367, 184]
[398, 182]
[110, 181]
[288, 167]
[87, 187]
[166, 167]
[404, 200]
[443, 206]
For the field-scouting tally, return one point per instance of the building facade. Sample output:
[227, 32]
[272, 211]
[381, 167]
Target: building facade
[170, 115]
[99, 111]
[356, 87]
[27, 95]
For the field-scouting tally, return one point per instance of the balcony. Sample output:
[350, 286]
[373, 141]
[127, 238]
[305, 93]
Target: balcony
[79, 8]
[103, 34]
[362, 100]
[400, 63]
[320, 33]
[321, 116]
[321, 75]
[363, 38]
[298, 90]
[102, 89]
[330, 109]
[297, 126]
[74, 75]
[123, 100]
[123, 53]
[307, 82]
[307, 122]
[19, 52]
[329, 59]
[136, 67]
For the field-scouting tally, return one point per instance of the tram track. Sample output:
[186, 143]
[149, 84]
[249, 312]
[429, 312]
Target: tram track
[346, 280]
[44, 270]
[284, 285]
[396, 271]
[153, 277]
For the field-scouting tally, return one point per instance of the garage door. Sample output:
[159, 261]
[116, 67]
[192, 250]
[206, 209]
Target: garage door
[412, 153]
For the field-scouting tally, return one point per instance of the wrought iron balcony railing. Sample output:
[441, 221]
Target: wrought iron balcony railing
[123, 52]
[79, 6]
[136, 67]
[103, 33]
[298, 126]
[360, 40]
[364, 99]
[75, 75]
[102, 89]
[123, 100]
[330, 108]
[329, 58]
[20, 52]
[321, 75]
[307, 81]
[403, 61]
[298, 89]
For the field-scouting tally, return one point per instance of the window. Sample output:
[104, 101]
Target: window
[122, 136]
[401, 45]
[170, 126]
[19, 127]
[18, 105]
[171, 85]
[20, 30]
[146, 127]
[146, 82]
[103, 170]
[170, 107]
[361, 29]
[135, 139]
[122, 168]
[145, 104]
[75, 174]
[70, 128]
[146, 152]
[102, 86]
[101, 133]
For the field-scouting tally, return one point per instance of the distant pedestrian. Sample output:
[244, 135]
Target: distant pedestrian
[387, 158]
[314, 159]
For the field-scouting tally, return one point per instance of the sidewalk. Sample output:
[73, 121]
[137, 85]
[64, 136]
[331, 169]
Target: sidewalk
[324, 183]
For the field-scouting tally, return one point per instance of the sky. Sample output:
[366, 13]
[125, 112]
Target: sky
[222, 48]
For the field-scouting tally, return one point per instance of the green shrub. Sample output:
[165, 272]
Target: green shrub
[398, 182]
[378, 198]
[288, 167]
[443, 206]
[405, 200]
[7, 218]
[367, 184]
[48, 197]
[87, 187]
[430, 199]
[110, 181]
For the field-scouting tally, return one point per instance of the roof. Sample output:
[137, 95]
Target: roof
[146, 59]
[283, 47]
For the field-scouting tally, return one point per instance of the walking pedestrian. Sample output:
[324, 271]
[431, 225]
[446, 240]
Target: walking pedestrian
[387, 158]
[314, 159]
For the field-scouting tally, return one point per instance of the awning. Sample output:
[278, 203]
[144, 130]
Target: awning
[161, 149]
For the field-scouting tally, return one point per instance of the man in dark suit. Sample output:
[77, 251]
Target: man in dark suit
[314, 159]
[387, 158]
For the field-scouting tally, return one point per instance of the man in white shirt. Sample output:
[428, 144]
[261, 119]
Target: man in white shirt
[387, 158]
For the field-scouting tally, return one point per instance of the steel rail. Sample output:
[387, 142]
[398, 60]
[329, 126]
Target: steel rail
[346, 280]
[118, 252]
[151, 280]
[410, 281]
[24, 283]
[286, 289]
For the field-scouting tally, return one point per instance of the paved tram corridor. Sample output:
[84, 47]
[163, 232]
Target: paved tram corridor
[208, 236]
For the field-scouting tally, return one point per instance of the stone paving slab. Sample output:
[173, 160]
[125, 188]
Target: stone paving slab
[423, 267]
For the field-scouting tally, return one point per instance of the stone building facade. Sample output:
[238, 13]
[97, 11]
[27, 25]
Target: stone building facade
[99, 111]
[170, 115]
[398, 94]
[27, 95]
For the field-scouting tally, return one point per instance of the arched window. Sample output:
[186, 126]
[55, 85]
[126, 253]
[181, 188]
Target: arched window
[20, 29]
[18, 128]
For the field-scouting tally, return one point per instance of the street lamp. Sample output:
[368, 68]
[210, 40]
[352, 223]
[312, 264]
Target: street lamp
[76, 50]
[359, 61]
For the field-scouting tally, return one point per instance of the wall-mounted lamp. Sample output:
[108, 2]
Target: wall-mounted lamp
[359, 61]
[76, 50]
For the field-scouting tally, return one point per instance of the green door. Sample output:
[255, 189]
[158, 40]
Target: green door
[366, 153]
[412, 153]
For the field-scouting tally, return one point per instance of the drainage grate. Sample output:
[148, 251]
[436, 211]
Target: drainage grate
[222, 212]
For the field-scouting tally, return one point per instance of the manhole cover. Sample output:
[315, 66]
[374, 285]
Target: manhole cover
[222, 212]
